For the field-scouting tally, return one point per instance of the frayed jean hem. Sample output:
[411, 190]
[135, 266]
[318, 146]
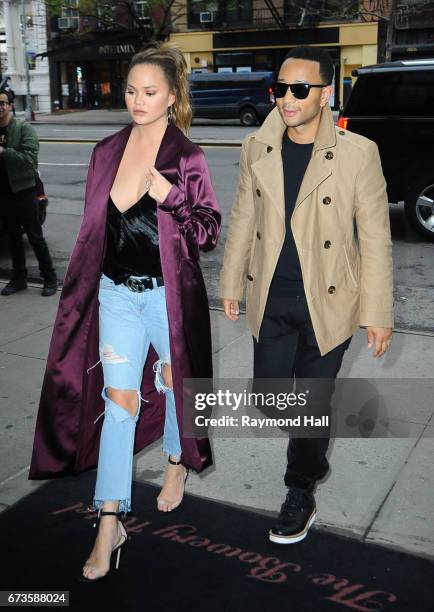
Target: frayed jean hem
[124, 505]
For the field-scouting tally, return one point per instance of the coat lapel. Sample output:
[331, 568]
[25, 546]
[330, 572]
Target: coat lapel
[319, 167]
[113, 152]
[269, 168]
[167, 160]
[269, 172]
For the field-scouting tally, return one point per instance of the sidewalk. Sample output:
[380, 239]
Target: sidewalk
[380, 490]
[83, 117]
[106, 117]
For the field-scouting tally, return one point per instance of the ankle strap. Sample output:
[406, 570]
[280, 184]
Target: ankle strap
[173, 462]
[103, 513]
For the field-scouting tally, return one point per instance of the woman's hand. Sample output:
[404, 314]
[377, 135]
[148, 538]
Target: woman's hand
[159, 186]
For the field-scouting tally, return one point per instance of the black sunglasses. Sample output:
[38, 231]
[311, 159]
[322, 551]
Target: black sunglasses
[298, 90]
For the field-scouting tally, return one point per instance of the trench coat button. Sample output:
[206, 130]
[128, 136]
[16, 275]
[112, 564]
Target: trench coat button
[258, 235]
[326, 200]
[329, 155]
[258, 192]
[327, 244]
[341, 132]
[269, 149]
[249, 277]
[331, 289]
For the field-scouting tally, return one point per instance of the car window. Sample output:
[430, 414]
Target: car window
[232, 82]
[393, 93]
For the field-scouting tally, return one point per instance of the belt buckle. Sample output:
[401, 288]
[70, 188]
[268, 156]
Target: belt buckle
[135, 285]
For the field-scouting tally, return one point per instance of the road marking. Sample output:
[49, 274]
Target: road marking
[204, 145]
[60, 164]
[22, 471]
[83, 130]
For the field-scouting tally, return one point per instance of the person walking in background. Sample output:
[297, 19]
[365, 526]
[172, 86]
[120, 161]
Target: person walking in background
[138, 301]
[311, 281]
[19, 209]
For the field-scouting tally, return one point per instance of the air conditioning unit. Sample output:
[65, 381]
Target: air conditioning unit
[63, 23]
[206, 17]
[68, 23]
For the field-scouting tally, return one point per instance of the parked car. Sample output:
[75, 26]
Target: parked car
[393, 104]
[228, 95]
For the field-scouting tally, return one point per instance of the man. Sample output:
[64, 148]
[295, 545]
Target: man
[19, 147]
[291, 239]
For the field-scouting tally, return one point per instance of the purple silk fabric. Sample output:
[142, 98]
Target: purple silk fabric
[66, 438]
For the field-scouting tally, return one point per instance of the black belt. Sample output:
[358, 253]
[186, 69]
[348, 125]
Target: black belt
[138, 285]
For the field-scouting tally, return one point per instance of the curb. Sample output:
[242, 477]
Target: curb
[200, 141]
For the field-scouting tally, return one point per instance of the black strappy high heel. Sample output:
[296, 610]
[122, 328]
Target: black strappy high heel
[161, 501]
[118, 546]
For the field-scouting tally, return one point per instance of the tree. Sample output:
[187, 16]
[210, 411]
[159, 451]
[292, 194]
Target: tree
[146, 19]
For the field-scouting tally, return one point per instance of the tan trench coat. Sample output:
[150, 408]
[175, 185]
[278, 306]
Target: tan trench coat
[340, 224]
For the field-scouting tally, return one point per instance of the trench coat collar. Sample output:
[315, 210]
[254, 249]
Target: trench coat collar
[269, 168]
[273, 128]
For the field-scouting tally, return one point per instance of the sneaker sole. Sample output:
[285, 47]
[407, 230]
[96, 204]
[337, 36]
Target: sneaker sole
[296, 537]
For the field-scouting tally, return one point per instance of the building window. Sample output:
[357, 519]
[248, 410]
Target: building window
[218, 13]
[298, 12]
[234, 11]
[70, 8]
[142, 9]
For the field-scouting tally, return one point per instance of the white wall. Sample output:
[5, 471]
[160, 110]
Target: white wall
[36, 42]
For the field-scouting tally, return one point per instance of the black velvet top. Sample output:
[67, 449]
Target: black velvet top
[132, 241]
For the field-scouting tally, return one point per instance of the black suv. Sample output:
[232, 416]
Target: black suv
[393, 104]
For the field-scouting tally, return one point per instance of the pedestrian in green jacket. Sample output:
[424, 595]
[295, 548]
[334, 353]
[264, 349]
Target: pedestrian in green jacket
[19, 146]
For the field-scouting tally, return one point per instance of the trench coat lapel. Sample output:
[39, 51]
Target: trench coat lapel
[269, 172]
[269, 168]
[319, 167]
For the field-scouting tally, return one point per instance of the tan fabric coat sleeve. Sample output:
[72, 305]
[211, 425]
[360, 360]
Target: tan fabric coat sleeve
[373, 229]
[240, 235]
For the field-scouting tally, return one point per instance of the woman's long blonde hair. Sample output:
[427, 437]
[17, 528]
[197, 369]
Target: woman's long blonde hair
[172, 62]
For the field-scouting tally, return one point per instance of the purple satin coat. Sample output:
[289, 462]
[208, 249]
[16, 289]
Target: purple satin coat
[66, 438]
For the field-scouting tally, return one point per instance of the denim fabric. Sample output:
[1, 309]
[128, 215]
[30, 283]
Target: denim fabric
[128, 323]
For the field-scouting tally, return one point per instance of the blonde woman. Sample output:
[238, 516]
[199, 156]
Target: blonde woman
[133, 299]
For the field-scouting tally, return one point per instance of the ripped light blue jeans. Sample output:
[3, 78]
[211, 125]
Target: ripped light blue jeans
[128, 323]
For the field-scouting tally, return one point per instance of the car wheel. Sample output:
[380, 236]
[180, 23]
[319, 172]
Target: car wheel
[248, 116]
[419, 206]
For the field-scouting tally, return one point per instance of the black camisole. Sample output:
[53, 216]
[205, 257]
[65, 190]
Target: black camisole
[132, 241]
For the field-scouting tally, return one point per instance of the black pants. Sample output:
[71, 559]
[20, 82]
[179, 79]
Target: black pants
[20, 210]
[287, 347]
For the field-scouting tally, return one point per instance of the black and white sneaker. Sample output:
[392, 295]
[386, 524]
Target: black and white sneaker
[296, 516]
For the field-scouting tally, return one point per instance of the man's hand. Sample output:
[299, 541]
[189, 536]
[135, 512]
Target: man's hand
[381, 338]
[231, 309]
[2, 150]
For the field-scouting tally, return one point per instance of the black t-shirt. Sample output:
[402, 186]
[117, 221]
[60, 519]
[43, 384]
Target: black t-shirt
[132, 241]
[288, 279]
[5, 187]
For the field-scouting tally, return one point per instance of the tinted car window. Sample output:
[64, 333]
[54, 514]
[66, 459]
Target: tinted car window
[226, 83]
[393, 93]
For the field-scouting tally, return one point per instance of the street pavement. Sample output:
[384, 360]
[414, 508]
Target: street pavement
[380, 489]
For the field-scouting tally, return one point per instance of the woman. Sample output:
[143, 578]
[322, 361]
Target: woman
[137, 298]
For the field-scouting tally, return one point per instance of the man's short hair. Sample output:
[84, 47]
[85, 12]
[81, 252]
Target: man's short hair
[315, 54]
[8, 94]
